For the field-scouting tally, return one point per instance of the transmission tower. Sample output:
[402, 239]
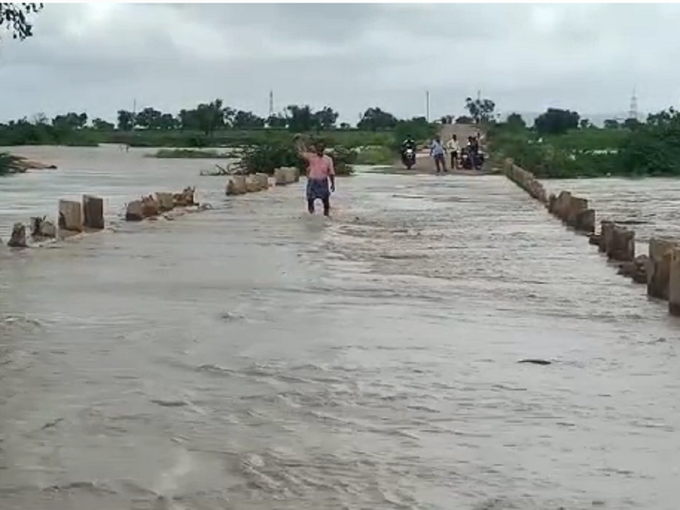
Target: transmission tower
[633, 112]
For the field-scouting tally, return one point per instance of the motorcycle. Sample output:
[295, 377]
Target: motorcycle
[408, 157]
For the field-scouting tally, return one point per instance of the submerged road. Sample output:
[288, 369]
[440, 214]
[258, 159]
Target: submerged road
[251, 357]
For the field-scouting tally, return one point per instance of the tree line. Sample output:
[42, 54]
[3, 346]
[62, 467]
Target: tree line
[213, 116]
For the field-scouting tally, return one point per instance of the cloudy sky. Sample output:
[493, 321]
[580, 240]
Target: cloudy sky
[101, 57]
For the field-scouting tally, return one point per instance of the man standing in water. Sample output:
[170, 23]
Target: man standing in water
[320, 176]
[437, 152]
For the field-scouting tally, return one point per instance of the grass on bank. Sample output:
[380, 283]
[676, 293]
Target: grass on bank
[376, 156]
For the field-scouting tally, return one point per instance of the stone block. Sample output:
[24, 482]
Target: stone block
[280, 177]
[622, 244]
[263, 180]
[658, 266]
[252, 185]
[166, 202]
[585, 221]
[562, 204]
[575, 207]
[149, 207]
[70, 216]
[186, 198]
[606, 230]
[292, 175]
[18, 237]
[134, 211]
[42, 227]
[674, 282]
[239, 184]
[93, 212]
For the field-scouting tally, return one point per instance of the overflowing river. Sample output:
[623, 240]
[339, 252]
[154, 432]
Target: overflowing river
[250, 357]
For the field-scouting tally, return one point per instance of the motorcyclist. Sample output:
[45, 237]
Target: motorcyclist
[408, 143]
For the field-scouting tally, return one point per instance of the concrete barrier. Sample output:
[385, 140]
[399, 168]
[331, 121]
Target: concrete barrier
[280, 177]
[42, 228]
[150, 207]
[186, 198]
[606, 229]
[134, 211]
[166, 202]
[621, 246]
[659, 266]
[236, 185]
[674, 281]
[252, 184]
[93, 212]
[263, 180]
[70, 216]
[18, 237]
[635, 269]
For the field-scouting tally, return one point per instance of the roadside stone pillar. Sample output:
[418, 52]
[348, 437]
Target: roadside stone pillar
[166, 202]
[659, 267]
[70, 216]
[134, 211]
[93, 212]
[674, 282]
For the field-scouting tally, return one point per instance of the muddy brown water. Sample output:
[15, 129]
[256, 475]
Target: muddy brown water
[251, 357]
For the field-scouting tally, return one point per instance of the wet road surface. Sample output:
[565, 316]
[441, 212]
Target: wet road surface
[251, 357]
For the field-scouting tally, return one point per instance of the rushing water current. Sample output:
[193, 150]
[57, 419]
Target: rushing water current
[251, 357]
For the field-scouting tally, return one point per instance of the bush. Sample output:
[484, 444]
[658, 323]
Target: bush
[8, 163]
[267, 157]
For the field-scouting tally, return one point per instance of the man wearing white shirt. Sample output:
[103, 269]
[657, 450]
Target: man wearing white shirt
[454, 149]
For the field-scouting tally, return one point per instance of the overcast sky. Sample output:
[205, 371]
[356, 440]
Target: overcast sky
[99, 58]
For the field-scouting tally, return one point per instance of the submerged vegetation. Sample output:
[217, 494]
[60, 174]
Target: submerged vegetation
[562, 145]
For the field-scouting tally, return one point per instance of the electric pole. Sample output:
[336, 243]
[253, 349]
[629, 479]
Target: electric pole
[427, 105]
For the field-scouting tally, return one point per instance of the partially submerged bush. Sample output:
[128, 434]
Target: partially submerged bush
[268, 156]
[9, 164]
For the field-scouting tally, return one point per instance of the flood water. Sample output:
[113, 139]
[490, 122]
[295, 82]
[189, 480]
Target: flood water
[251, 357]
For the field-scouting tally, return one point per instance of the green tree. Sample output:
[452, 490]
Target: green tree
[631, 123]
[277, 121]
[188, 120]
[15, 18]
[515, 121]
[70, 121]
[376, 119]
[148, 118]
[247, 120]
[481, 110]
[585, 124]
[126, 120]
[556, 121]
[300, 118]
[210, 116]
[102, 125]
[325, 118]
[464, 119]
[611, 124]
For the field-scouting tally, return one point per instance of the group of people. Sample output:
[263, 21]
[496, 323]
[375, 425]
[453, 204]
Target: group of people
[468, 157]
[321, 171]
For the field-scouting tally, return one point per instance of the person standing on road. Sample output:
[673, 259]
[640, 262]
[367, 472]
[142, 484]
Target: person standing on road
[320, 176]
[454, 149]
[437, 152]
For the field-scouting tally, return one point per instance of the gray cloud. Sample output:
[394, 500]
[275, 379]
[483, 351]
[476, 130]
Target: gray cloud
[100, 58]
